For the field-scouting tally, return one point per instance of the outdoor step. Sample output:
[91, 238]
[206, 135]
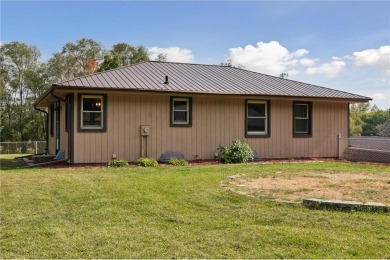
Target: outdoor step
[345, 205]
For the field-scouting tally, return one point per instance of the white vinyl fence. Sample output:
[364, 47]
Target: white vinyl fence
[29, 147]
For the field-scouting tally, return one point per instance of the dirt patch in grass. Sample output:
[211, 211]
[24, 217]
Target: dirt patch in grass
[362, 187]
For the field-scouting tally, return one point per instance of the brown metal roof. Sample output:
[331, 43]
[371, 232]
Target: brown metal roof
[199, 78]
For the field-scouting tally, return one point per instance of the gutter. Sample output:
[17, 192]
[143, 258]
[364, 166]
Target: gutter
[57, 97]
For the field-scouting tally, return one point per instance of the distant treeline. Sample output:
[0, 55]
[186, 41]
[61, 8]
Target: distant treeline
[369, 121]
[24, 78]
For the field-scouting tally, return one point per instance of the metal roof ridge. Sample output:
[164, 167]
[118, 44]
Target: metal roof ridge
[187, 63]
[301, 82]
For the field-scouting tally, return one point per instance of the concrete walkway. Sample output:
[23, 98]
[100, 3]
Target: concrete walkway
[345, 205]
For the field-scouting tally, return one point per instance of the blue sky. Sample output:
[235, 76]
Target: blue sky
[332, 44]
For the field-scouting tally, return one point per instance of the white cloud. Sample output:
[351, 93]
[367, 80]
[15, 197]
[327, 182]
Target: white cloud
[328, 69]
[379, 96]
[345, 57]
[270, 58]
[175, 54]
[293, 72]
[273, 58]
[300, 53]
[307, 62]
[378, 58]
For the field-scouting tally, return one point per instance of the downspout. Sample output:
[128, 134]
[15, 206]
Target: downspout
[47, 126]
[349, 122]
[57, 97]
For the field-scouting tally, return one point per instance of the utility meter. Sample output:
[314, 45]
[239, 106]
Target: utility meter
[145, 130]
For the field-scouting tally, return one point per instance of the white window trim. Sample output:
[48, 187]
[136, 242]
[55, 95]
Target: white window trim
[187, 100]
[300, 117]
[82, 112]
[265, 117]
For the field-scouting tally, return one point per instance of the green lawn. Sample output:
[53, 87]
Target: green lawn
[8, 161]
[169, 212]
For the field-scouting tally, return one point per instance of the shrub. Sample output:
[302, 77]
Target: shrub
[239, 152]
[177, 162]
[146, 162]
[117, 163]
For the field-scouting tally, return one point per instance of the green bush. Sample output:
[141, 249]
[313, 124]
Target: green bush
[177, 162]
[117, 163]
[147, 162]
[239, 152]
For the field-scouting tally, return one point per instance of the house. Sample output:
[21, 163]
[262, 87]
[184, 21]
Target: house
[153, 107]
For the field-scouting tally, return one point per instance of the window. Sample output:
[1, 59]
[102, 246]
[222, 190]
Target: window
[92, 112]
[181, 111]
[257, 118]
[302, 118]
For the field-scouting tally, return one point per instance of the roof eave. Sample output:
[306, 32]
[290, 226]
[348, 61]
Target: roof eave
[358, 100]
[43, 96]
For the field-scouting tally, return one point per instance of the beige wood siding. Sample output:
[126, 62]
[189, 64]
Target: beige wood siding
[216, 120]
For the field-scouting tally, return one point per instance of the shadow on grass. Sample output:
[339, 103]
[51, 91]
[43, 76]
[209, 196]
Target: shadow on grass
[8, 162]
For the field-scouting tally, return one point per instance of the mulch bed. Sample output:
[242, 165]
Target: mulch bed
[214, 162]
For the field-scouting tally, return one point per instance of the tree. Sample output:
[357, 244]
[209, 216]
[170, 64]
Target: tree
[23, 79]
[229, 63]
[18, 59]
[355, 121]
[111, 61]
[384, 129]
[162, 57]
[130, 54]
[62, 67]
[5, 97]
[355, 126]
[359, 108]
[372, 120]
[83, 52]
[374, 108]
[37, 81]
[365, 121]
[91, 66]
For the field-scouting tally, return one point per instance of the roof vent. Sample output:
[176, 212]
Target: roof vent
[166, 80]
[283, 75]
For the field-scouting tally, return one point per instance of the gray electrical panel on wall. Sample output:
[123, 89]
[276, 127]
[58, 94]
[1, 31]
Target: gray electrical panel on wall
[145, 130]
